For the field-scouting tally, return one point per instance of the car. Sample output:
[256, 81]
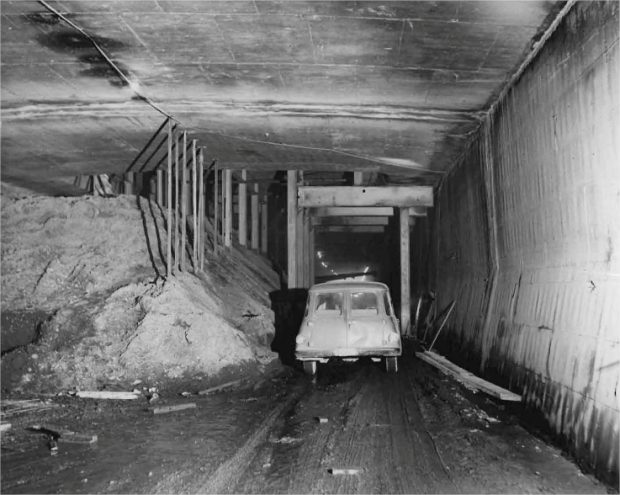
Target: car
[348, 319]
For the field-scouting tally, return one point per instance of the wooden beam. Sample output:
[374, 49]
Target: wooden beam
[254, 218]
[160, 187]
[291, 219]
[194, 180]
[350, 221]
[177, 238]
[184, 200]
[201, 210]
[263, 224]
[400, 196]
[228, 207]
[359, 229]
[216, 205]
[243, 208]
[361, 211]
[405, 289]
[169, 222]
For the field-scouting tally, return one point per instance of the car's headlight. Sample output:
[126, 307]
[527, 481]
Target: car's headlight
[300, 339]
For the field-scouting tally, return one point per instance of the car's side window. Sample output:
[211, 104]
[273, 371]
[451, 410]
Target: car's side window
[329, 303]
[364, 304]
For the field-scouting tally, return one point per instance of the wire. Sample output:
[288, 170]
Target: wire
[121, 74]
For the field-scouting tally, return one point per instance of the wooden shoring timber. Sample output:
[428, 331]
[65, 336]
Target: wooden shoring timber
[264, 227]
[254, 220]
[160, 187]
[243, 208]
[351, 229]
[194, 208]
[228, 208]
[396, 196]
[363, 211]
[405, 273]
[184, 201]
[201, 210]
[177, 237]
[169, 188]
[216, 204]
[466, 377]
[291, 195]
[350, 221]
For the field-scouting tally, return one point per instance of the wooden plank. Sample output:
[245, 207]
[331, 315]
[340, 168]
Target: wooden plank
[216, 206]
[405, 273]
[228, 208]
[169, 194]
[264, 227]
[353, 229]
[361, 211]
[397, 196]
[243, 208]
[254, 219]
[184, 201]
[466, 377]
[106, 394]
[350, 221]
[177, 238]
[173, 408]
[291, 195]
[201, 210]
[194, 180]
[160, 187]
[222, 386]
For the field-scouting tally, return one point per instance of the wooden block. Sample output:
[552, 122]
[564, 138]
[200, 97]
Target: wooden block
[104, 394]
[219, 387]
[173, 408]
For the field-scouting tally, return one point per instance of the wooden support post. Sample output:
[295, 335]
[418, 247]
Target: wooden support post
[160, 187]
[201, 211]
[311, 256]
[177, 239]
[228, 208]
[216, 209]
[291, 201]
[128, 183]
[263, 225]
[254, 219]
[307, 253]
[169, 223]
[405, 288]
[184, 201]
[194, 208]
[243, 209]
[223, 205]
[301, 247]
[358, 177]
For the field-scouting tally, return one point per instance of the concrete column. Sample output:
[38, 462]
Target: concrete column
[243, 209]
[291, 219]
[254, 219]
[228, 207]
[263, 227]
[405, 289]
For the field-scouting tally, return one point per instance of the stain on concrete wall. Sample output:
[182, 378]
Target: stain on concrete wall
[528, 239]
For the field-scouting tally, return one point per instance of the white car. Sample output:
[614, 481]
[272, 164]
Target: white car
[348, 320]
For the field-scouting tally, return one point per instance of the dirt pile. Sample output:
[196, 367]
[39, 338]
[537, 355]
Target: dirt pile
[82, 278]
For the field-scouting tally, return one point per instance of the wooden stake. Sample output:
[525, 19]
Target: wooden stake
[169, 224]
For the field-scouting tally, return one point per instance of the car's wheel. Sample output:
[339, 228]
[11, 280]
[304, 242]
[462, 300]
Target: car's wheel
[310, 368]
[391, 364]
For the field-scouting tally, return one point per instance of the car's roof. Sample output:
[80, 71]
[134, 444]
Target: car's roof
[348, 285]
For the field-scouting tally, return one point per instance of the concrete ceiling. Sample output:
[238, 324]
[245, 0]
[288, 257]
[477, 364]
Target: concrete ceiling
[392, 87]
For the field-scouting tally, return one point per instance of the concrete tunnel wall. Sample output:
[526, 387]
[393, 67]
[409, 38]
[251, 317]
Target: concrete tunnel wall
[525, 236]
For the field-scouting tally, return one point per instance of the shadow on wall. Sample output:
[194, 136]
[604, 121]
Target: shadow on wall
[288, 306]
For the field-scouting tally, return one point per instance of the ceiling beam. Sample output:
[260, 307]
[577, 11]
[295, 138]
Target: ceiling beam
[351, 221]
[400, 196]
[355, 229]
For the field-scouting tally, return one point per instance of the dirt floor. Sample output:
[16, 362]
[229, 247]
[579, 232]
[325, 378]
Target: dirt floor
[355, 429]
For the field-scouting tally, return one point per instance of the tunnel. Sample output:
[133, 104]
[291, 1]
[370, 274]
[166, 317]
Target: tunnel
[177, 175]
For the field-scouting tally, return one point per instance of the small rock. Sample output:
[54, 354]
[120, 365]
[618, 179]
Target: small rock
[34, 356]
[150, 473]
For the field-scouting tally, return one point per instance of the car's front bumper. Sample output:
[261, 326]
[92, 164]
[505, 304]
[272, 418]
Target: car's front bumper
[307, 354]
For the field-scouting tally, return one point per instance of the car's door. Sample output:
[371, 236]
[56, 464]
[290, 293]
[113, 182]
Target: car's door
[329, 330]
[366, 319]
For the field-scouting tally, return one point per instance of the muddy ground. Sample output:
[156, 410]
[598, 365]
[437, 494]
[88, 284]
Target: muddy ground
[411, 432]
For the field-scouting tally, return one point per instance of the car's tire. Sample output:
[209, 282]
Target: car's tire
[391, 364]
[310, 368]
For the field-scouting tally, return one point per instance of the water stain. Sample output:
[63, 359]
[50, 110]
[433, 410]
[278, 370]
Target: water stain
[75, 43]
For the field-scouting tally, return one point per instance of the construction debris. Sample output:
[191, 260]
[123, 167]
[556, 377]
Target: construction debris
[466, 377]
[105, 394]
[219, 387]
[322, 420]
[60, 435]
[344, 471]
[176, 407]
[13, 407]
